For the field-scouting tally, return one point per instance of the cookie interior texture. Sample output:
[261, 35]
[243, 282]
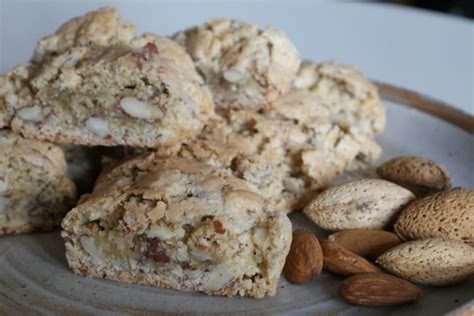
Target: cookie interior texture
[177, 224]
[245, 67]
[325, 125]
[34, 190]
[141, 91]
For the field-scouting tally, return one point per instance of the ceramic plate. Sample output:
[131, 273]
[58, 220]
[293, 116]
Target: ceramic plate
[35, 279]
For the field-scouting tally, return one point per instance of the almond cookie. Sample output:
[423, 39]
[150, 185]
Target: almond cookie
[34, 190]
[145, 93]
[245, 67]
[103, 27]
[177, 224]
[307, 139]
[354, 100]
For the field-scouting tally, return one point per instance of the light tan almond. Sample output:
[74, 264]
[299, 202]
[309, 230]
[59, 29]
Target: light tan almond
[338, 259]
[444, 214]
[367, 243]
[433, 261]
[419, 175]
[378, 289]
[360, 204]
[305, 259]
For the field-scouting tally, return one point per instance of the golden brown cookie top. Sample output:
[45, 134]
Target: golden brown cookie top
[103, 27]
[245, 67]
[175, 189]
[353, 100]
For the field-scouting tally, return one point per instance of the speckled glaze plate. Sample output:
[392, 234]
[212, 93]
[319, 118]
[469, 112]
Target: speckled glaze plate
[35, 279]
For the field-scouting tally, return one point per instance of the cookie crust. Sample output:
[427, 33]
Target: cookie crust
[103, 27]
[245, 67]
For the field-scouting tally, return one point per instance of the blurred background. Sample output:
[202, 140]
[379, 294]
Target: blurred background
[463, 8]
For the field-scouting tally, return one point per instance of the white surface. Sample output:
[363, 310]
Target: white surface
[35, 279]
[427, 52]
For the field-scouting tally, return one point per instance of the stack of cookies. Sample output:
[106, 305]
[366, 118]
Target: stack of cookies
[205, 141]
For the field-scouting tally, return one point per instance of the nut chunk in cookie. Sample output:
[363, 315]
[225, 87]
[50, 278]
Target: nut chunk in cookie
[245, 67]
[144, 94]
[34, 190]
[177, 224]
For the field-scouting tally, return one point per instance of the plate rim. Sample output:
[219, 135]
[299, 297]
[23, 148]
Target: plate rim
[426, 104]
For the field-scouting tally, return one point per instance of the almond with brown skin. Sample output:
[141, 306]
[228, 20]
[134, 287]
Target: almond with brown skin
[378, 289]
[367, 243]
[443, 214]
[305, 259]
[340, 260]
[419, 175]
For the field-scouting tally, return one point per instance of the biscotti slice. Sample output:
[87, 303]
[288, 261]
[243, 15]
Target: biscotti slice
[177, 224]
[245, 67]
[34, 190]
[143, 94]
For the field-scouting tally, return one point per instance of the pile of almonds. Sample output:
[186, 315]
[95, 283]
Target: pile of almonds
[409, 226]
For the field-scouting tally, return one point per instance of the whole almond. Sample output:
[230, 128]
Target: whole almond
[367, 243]
[444, 214]
[338, 259]
[419, 175]
[378, 289]
[433, 261]
[305, 259]
[360, 204]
